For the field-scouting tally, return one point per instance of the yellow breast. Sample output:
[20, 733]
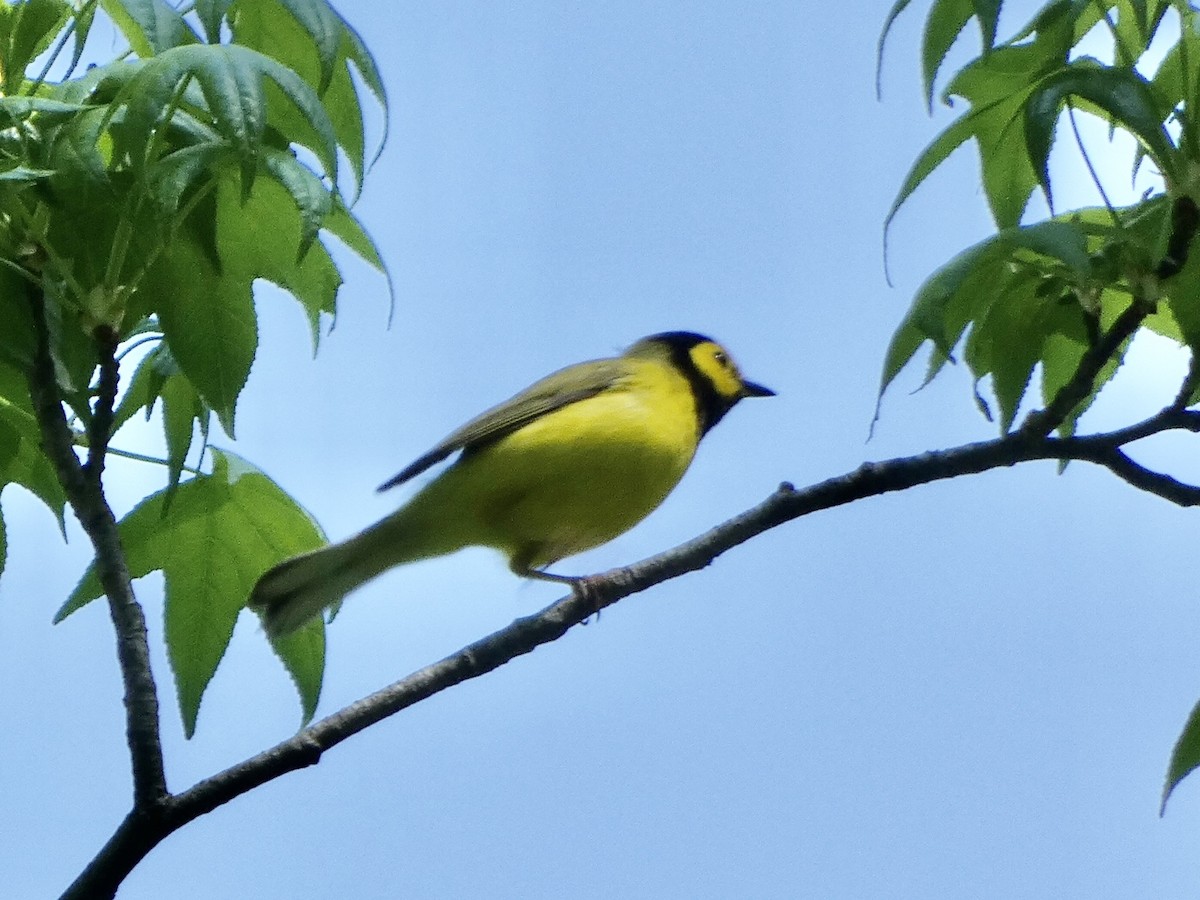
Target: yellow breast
[579, 476]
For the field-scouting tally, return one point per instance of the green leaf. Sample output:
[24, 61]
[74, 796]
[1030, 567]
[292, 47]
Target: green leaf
[945, 23]
[213, 541]
[324, 28]
[150, 26]
[1185, 757]
[142, 391]
[997, 87]
[27, 29]
[3, 543]
[1065, 345]
[177, 173]
[207, 311]
[211, 14]
[343, 225]
[310, 39]
[960, 131]
[932, 316]
[21, 458]
[1006, 341]
[1183, 299]
[232, 80]
[85, 17]
[987, 13]
[303, 655]
[894, 13]
[46, 111]
[313, 200]
[1122, 94]
[207, 316]
[964, 289]
[182, 407]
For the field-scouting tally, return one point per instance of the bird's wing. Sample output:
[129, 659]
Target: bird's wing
[563, 388]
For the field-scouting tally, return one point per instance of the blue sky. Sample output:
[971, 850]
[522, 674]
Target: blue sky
[969, 689]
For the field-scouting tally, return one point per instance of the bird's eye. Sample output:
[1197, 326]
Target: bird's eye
[720, 357]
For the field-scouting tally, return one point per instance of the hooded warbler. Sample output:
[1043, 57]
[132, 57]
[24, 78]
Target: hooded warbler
[568, 464]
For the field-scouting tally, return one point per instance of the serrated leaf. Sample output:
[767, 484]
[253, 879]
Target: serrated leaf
[85, 17]
[28, 29]
[232, 80]
[1171, 81]
[207, 311]
[219, 534]
[177, 173]
[987, 13]
[21, 458]
[301, 35]
[1183, 299]
[303, 655]
[150, 26]
[1060, 240]
[953, 137]
[1063, 351]
[343, 225]
[47, 112]
[324, 28]
[182, 407]
[929, 319]
[1122, 94]
[142, 391]
[996, 86]
[1185, 757]
[1006, 342]
[211, 14]
[208, 320]
[313, 200]
[964, 289]
[894, 13]
[945, 23]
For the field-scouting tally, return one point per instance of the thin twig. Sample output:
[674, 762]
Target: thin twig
[1152, 482]
[100, 429]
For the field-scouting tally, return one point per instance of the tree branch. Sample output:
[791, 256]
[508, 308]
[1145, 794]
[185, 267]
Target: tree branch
[1119, 463]
[86, 496]
[138, 834]
[1043, 421]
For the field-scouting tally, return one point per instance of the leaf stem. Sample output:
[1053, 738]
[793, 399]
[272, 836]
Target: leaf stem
[146, 458]
[1087, 161]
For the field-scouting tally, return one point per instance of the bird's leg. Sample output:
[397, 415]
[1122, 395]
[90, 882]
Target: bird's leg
[580, 584]
[542, 575]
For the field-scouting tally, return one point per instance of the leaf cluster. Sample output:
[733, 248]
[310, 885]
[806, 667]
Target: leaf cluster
[1064, 296]
[1037, 294]
[140, 202]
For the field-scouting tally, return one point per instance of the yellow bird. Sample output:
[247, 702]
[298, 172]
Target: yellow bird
[568, 464]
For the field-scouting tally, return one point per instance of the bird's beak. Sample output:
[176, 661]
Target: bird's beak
[750, 389]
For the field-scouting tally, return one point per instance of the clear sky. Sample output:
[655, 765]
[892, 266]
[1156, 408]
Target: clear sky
[966, 690]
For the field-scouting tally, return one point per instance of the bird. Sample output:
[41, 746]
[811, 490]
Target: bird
[566, 465]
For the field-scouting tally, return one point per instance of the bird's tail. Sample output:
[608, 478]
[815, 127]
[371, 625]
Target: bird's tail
[301, 588]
